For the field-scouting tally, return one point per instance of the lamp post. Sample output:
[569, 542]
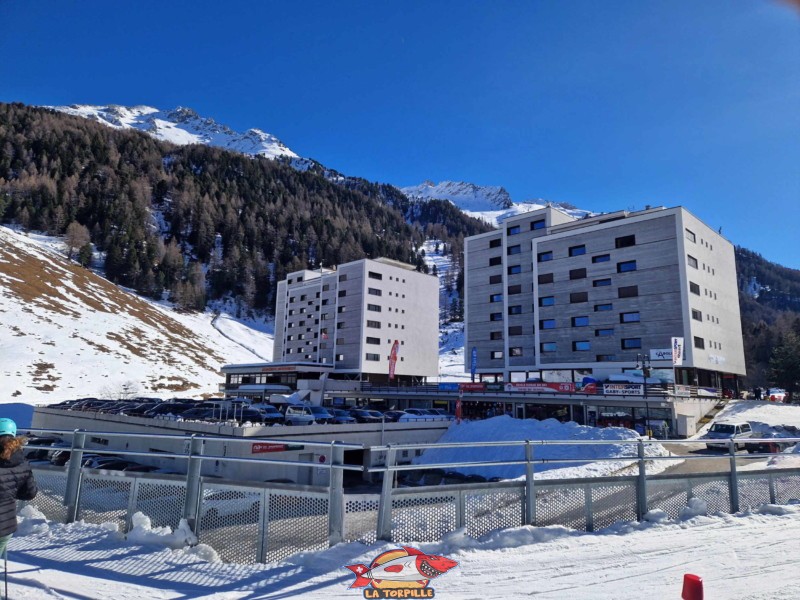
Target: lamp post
[643, 363]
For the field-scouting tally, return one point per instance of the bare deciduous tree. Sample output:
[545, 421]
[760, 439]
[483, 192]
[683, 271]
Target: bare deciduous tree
[76, 237]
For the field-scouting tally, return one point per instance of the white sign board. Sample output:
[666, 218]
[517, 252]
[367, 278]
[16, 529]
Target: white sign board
[661, 354]
[623, 389]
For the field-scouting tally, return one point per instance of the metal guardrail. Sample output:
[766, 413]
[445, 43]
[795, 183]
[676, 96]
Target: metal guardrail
[251, 522]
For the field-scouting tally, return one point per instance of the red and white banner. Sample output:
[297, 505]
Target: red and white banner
[458, 407]
[677, 351]
[393, 358]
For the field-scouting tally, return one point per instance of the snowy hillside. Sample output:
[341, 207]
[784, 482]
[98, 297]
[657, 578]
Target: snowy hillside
[182, 126]
[66, 332]
[491, 204]
[467, 196]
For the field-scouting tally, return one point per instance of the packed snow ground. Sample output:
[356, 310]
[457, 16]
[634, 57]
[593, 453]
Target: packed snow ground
[745, 557]
[597, 460]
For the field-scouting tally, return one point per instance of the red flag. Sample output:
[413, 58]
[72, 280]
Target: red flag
[458, 407]
[393, 358]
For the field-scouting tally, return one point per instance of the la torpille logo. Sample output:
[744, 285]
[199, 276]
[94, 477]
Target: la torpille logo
[401, 573]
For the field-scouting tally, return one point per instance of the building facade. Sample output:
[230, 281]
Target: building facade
[352, 317]
[553, 298]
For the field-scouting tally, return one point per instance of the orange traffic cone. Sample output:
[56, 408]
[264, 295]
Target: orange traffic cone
[692, 587]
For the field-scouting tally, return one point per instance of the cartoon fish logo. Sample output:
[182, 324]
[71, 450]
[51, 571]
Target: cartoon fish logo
[403, 567]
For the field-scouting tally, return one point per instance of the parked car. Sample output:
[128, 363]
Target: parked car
[776, 444]
[723, 431]
[419, 412]
[321, 414]
[228, 503]
[392, 416]
[776, 395]
[168, 408]
[198, 414]
[297, 414]
[442, 413]
[269, 414]
[37, 447]
[366, 416]
[342, 417]
[139, 409]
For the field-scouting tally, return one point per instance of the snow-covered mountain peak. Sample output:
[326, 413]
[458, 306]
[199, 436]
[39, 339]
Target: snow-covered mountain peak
[182, 126]
[467, 196]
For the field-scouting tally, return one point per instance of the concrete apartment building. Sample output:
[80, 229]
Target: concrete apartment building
[350, 318]
[556, 298]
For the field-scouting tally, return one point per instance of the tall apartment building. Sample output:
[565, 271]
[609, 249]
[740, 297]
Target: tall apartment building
[351, 317]
[558, 298]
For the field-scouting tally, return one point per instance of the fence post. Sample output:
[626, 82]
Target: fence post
[530, 487]
[336, 496]
[734, 477]
[641, 487]
[192, 503]
[72, 492]
[384, 531]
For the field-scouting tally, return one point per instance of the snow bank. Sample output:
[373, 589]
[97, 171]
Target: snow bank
[505, 428]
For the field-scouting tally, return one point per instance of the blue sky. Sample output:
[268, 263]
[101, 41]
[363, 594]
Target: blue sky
[606, 105]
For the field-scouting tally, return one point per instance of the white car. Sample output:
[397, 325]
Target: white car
[219, 505]
[776, 395]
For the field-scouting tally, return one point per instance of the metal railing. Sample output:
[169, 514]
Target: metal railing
[280, 518]
[247, 521]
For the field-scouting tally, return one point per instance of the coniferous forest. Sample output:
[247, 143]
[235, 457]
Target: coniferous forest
[197, 223]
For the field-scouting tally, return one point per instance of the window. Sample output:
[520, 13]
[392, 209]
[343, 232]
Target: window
[326, 287]
[545, 278]
[577, 250]
[495, 260]
[547, 301]
[515, 330]
[576, 297]
[325, 301]
[692, 261]
[373, 340]
[694, 288]
[697, 315]
[577, 274]
[496, 317]
[603, 307]
[629, 291]
[513, 230]
[626, 266]
[495, 243]
[606, 357]
[601, 258]
[547, 324]
[515, 310]
[601, 282]
[496, 354]
[625, 241]
[629, 317]
[514, 289]
[341, 309]
[496, 298]
[691, 236]
[514, 249]
[340, 325]
[631, 343]
[545, 256]
[496, 335]
[581, 346]
[343, 277]
[537, 224]
[603, 332]
[342, 293]
[374, 324]
[495, 279]
[302, 298]
[339, 357]
[373, 307]
[374, 357]
[580, 321]
[517, 351]
[374, 292]
[374, 275]
[514, 269]
[547, 347]
[699, 343]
